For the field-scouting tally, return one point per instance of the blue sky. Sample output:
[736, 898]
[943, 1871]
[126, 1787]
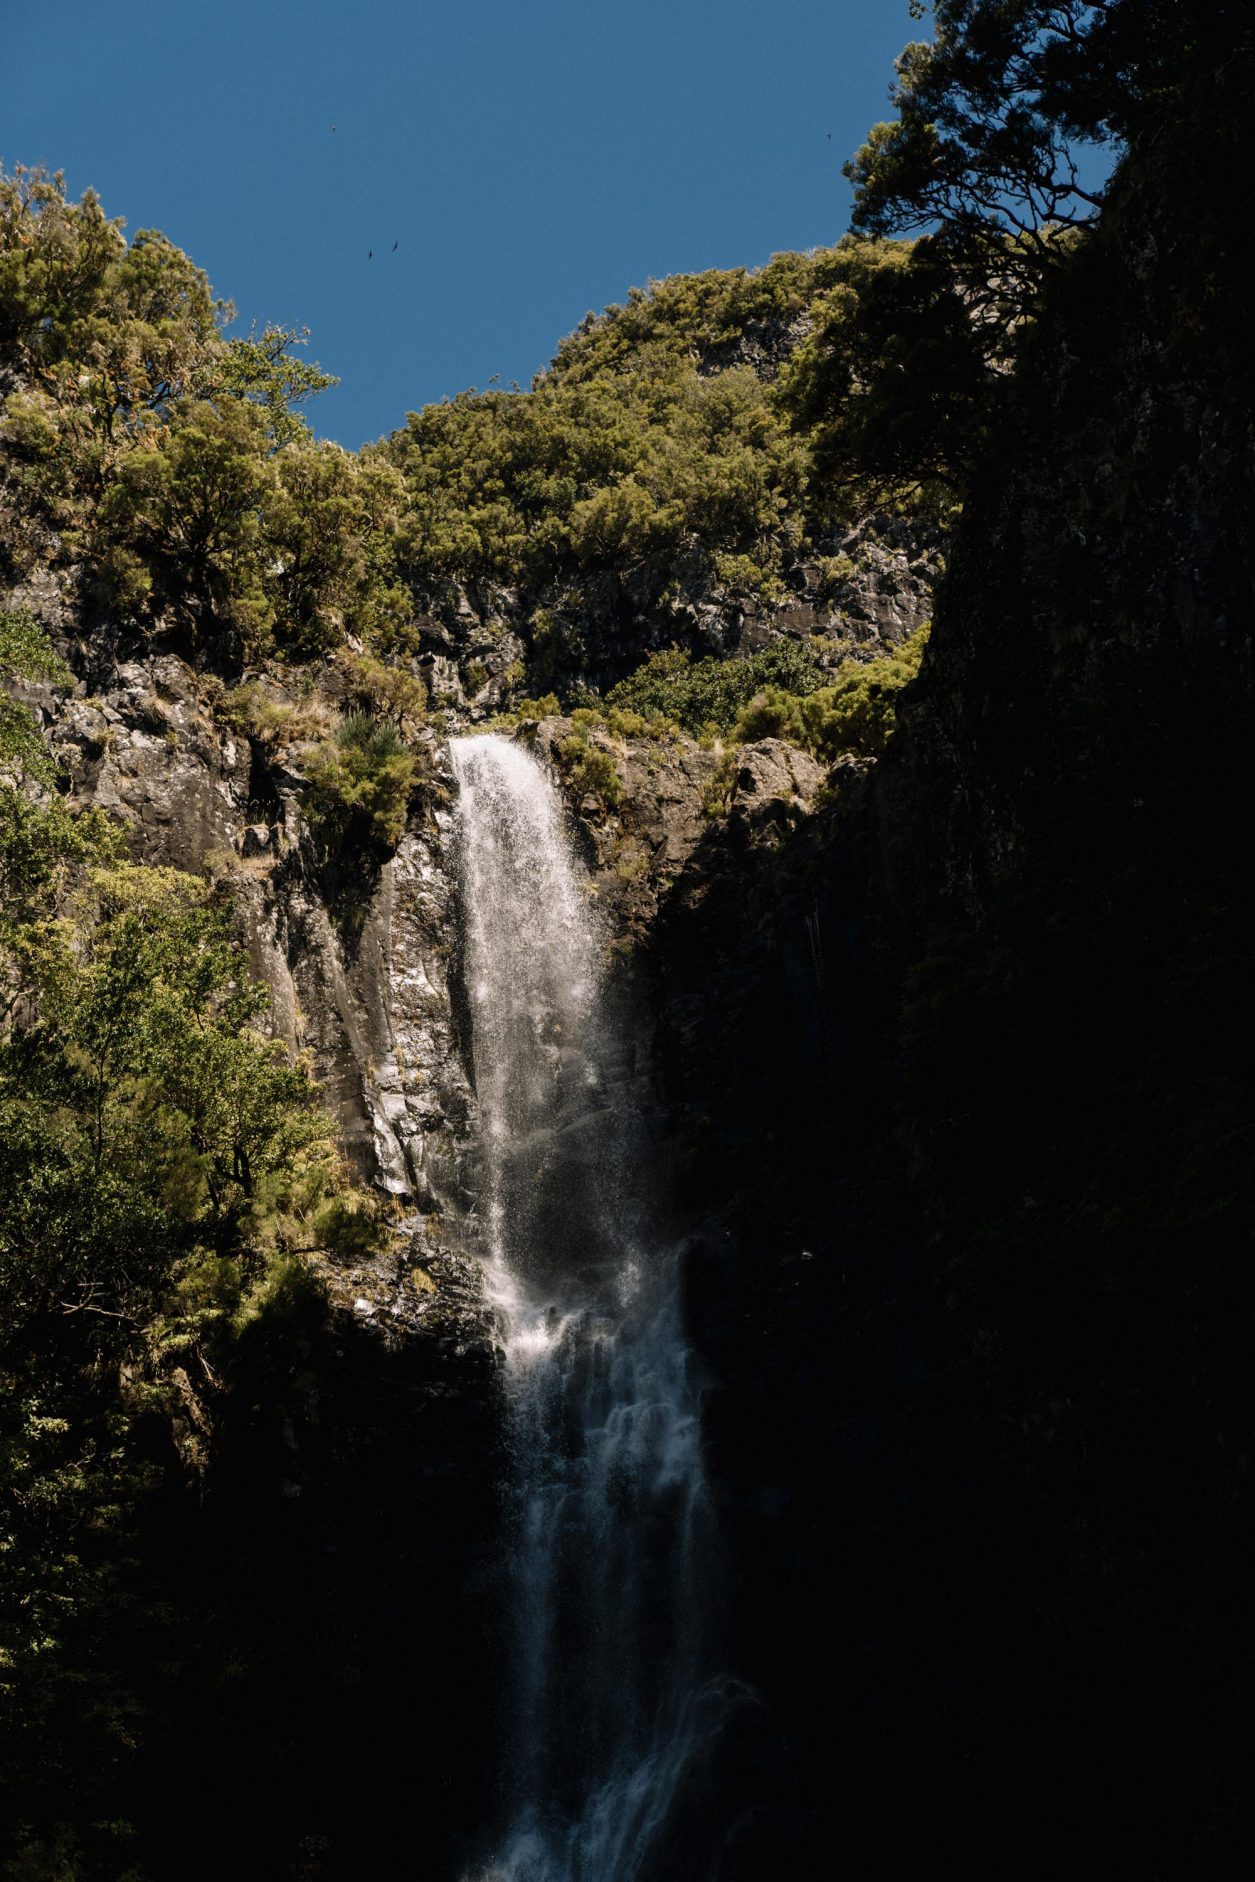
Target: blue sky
[530, 160]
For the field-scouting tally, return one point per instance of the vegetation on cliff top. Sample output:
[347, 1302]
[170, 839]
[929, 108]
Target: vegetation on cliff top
[691, 448]
[667, 455]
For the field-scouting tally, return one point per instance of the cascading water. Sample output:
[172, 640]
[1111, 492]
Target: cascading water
[609, 1499]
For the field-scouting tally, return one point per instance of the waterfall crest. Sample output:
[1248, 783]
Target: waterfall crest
[608, 1493]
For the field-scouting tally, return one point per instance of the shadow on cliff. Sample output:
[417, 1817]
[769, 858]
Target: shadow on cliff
[323, 1663]
[962, 1119]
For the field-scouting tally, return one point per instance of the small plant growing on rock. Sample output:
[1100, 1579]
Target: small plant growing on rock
[718, 789]
[349, 1226]
[254, 710]
[548, 706]
[705, 696]
[24, 655]
[833, 571]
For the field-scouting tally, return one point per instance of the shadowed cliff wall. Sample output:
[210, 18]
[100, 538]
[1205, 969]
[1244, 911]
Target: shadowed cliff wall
[966, 1114]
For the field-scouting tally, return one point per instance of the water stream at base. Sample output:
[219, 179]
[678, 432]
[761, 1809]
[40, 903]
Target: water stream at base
[605, 1703]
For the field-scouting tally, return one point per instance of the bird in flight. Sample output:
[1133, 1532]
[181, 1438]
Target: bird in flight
[395, 247]
[370, 254]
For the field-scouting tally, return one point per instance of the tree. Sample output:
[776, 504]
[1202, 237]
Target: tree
[893, 383]
[991, 113]
[978, 147]
[263, 369]
[117, 331]
[184, 515]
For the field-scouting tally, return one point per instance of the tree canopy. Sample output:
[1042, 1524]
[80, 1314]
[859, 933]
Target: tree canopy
[993, 111]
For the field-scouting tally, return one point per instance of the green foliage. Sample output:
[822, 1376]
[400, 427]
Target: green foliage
[24, 655]
[614, 468]
[855, 714]
[257, 710]
[145, 1067]
[718, 788]
[709, 694]
[981, 162]
[348, 1225]
[990, 112]
[330, 550]
[980, 145]
[588, 770]
[109, 334]
[40, 845]
[593, 473]
[361, 782]
[184, 515]
[289, 548]
[669, 453]
[702, 317]
[895, 382]
[264, 370]
[174, 464]
[389, 692]
[99, 342]
[160, 1159]
[548, 706]
[834, 570]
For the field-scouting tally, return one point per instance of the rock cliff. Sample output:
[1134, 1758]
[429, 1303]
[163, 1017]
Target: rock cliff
[965, 1122]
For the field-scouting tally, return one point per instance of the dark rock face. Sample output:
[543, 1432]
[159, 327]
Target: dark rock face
[332, 1603]
[965, 1124]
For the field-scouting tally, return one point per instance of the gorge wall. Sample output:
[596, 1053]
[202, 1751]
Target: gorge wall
[941, 1050]
[962, 1052]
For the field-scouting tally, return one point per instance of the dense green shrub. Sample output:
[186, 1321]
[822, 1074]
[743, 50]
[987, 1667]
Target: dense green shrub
[856, 713]
[622, 472]
[710, 693]
[331, 550]
[361, 781]
[703, 317]
[588, 770]
[291, 548]
[387, 691]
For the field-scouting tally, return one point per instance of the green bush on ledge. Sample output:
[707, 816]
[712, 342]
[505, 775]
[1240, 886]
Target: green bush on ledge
[361, 781]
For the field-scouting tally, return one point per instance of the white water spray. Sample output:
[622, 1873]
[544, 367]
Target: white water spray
[609, 1494]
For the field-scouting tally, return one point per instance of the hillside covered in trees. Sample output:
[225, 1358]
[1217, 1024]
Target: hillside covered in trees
[884, 617]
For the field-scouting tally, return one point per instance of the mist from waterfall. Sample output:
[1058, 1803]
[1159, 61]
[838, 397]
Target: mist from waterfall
[608, 1502]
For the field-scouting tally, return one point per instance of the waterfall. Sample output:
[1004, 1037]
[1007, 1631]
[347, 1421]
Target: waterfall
[608, 1502]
